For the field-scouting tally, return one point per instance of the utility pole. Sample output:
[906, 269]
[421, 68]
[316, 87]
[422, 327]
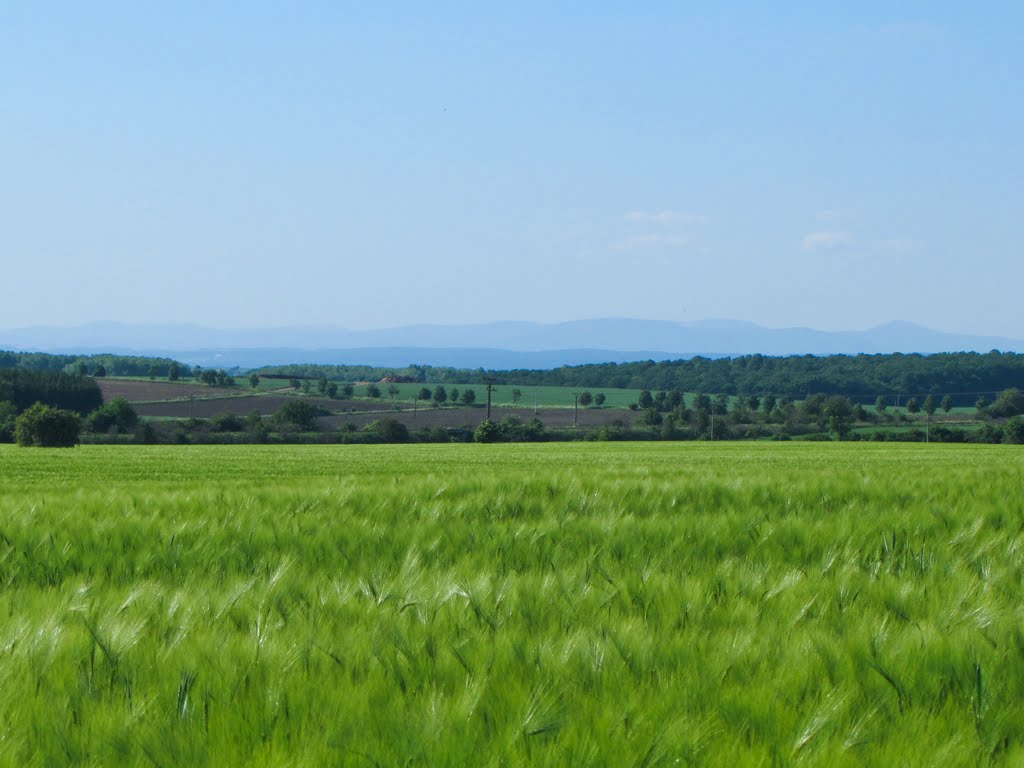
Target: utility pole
[490, 382]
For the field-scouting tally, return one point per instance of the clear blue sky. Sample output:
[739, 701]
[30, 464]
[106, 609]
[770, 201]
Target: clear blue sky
[379, 164]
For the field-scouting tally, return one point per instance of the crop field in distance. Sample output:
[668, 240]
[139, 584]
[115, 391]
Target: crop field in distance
[663, 604]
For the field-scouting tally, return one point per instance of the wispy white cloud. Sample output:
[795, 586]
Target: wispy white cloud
[650, 241]
[825, 241]
[665, 217]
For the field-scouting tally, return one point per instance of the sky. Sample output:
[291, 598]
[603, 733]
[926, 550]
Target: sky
[367, 165]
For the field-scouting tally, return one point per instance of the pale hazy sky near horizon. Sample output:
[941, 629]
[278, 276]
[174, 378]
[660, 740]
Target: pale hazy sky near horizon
[365, 165]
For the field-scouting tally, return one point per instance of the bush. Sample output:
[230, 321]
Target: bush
[487, 432]
[8, 414]
[45, 427]
[989, 433]
[228, 422]
[1014, 430]
[117, 413]
[145, 433]
[431, 435]
[298, 413]
[1009, 403]
[391, 431]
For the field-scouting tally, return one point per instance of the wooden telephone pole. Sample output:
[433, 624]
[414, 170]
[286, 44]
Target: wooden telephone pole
[490, 382]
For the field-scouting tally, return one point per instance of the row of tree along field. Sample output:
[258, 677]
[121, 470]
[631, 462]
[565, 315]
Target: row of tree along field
[962, 375]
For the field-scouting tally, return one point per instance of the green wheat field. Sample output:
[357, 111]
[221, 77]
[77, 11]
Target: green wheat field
[501, 605]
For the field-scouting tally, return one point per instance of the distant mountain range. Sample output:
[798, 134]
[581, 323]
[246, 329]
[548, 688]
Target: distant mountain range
[490, 345]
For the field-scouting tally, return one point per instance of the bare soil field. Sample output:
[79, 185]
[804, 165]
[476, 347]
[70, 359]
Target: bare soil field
[143, 391]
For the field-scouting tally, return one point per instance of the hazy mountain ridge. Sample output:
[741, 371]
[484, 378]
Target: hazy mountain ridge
[513, 344]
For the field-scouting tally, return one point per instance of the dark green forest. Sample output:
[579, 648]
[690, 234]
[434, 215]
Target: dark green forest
[23, 388]
[97, 365]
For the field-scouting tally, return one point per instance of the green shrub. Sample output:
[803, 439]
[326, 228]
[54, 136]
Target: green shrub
[297, 413]
[44, 427]
[117, 413]
[487, 432]
[1014, 430]
[228, 422]
[8, 414]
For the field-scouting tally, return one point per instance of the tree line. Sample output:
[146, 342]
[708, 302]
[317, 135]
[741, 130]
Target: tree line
[22, 389]
[93, 365]
[961, 375]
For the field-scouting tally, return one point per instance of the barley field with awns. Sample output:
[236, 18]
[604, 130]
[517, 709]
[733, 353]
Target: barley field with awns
[553, 604]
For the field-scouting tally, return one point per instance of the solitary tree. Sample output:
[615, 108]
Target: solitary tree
[468, 396]
[913, 405]
[372, 390]
[153, 372]
[586, 398]
[516, 396]
[599, 399]
[839, 412]
[440, 394]
[645, 400]
[393, 391]
[254, 380]
[424, 394]
[947, 404]
[881, 404]
[453, 396]
[930, 405]
[173, 371]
